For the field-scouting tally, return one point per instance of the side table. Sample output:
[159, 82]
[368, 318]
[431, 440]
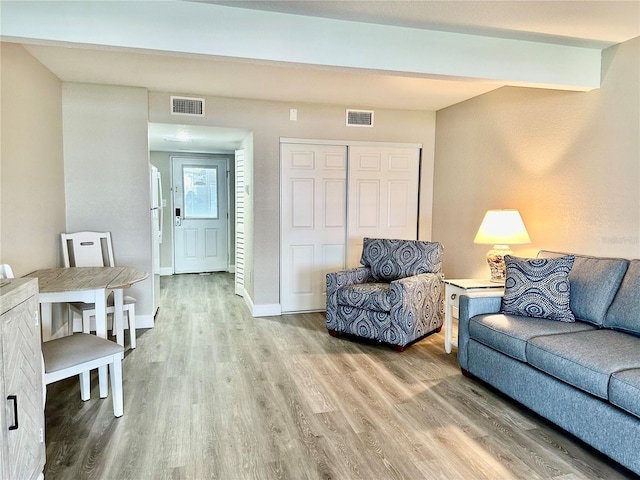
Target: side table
[453, 288]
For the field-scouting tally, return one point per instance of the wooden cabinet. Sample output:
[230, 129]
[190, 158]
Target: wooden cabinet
[22, 448]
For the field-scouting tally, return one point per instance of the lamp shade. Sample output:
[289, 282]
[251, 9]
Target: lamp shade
[502, 227]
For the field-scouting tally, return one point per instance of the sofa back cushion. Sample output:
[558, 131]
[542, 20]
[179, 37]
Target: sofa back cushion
[390, 259]
[624, 312]
[594, 282]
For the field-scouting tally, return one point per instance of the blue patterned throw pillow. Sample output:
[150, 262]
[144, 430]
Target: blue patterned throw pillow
[538, 287]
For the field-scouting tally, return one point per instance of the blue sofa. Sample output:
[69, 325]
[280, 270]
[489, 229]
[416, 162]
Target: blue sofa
[396, 297]
[583, 376]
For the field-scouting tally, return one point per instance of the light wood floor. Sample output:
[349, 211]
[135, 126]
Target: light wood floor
[211, 392]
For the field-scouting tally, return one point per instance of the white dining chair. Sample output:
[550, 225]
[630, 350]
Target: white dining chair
[94, 249]
[5, 271]
[78, 354]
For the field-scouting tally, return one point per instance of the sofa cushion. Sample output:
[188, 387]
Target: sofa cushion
[393, 259]
[538, 287]
[624, 312]
[624, 390]
[369, 296]
[509, 334]
[585, 360]
[594, 282]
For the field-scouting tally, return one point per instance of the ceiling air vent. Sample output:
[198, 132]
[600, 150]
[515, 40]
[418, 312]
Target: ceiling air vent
[187, 106]
[359, 118]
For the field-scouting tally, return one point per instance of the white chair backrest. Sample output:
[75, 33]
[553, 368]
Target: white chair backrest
[88, 249]
[5, 271]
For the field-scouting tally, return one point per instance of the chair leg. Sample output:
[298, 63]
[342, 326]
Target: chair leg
[104, 385]
[70, 320]
[115, 371]
[85, 385]
[86, 322]
[131, 316]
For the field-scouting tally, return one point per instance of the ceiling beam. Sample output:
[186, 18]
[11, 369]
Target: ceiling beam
[204, 29]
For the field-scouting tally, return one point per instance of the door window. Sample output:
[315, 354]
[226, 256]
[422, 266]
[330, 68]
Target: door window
[200, 192]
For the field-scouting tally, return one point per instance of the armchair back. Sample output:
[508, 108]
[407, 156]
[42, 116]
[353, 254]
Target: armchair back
[390, 260]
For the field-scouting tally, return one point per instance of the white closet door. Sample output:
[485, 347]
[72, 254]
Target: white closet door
[240, 222]
[383, 195]
[313, 222]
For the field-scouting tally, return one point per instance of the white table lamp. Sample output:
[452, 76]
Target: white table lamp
[501, 228]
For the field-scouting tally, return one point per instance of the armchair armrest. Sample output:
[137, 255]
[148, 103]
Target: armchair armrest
[335, 280]
[353, 276]
[468, 308]
[417, 306]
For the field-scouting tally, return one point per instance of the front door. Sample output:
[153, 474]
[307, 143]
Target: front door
[200, 220]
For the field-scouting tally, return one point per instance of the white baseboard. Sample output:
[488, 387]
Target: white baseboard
[267, 310]
[263, 310]
[232, 269]
[144, 321]
[164, 271]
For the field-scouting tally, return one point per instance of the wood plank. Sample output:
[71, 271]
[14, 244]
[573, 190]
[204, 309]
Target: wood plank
[211, 392]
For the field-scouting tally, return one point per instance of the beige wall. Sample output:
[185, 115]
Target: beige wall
[106, 160]
[269, 121]
[570, 162]
[32, 197]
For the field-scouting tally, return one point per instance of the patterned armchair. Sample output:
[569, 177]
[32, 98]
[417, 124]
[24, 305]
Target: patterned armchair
[396, 297]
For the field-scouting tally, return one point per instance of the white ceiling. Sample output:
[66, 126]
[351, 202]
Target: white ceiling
[165, 137]
[592, 24]
[573, 22]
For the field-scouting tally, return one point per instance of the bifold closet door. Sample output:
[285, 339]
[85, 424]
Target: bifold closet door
[382, 195]
[313, 222]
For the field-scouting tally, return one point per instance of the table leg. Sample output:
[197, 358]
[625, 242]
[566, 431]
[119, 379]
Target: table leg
[101, 331]
[118, 320]
[45, 320]
[448, 325]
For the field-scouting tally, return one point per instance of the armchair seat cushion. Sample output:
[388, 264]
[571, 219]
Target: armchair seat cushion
[368, 296]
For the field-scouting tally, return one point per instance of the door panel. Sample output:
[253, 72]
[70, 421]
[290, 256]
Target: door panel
[201, 228]
[382, 196]
[313, 222]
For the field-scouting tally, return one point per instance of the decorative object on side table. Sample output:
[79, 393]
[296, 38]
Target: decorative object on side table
[453, 288]
[501, 228]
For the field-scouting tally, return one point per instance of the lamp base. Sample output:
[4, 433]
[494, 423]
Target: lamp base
[495, 259]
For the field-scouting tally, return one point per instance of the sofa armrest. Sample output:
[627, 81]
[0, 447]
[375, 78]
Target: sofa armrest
[468, 308]
[417, 305]
[335, 281]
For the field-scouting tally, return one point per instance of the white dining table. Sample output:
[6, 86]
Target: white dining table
[89, 285]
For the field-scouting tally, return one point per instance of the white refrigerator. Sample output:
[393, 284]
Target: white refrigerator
[157, 203]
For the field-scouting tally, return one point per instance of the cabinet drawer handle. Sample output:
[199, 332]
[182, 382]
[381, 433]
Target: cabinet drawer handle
[14, 399]
[453, 296]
